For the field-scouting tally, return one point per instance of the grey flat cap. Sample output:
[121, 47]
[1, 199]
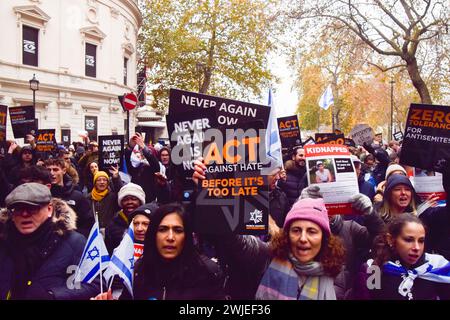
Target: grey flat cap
[31, 193]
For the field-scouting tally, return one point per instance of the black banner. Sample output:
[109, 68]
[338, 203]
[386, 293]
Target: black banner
[110, 151]
[331, 138]
[234, 196]
[308, 142]
[289, 130]
[427, 136]
[320, 137]
[45, 140]
[22, 121]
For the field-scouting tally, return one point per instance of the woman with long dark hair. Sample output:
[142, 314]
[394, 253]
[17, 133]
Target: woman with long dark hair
[402, 268]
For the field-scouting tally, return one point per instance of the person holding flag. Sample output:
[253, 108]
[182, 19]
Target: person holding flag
[94, 260]
[171, 267]
[39, 248]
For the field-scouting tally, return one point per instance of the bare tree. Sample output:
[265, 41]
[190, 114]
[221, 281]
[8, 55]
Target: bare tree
[395, 29]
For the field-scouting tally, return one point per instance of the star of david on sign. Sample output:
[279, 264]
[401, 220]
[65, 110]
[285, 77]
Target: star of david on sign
[256, 216]
[131, 263]
[93, 253]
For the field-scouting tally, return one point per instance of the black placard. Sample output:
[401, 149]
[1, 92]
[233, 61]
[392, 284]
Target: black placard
[343, 165]
[22, 121]
[45, 141]
[398, 136]
[110, 151]
[65, 137]
[426, 139]
[289, 130]
[239, 208]
[3, 121]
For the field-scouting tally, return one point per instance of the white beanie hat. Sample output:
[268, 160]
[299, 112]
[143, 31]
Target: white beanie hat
[394, 167]
[131, 189]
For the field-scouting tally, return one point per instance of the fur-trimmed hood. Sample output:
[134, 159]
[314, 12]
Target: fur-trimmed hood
[64, 217]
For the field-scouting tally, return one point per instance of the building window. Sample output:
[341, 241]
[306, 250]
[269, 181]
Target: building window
[90, 125]
[91, 60]
[125, 71]
[30, 46]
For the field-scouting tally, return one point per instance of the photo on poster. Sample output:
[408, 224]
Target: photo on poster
[322, 170]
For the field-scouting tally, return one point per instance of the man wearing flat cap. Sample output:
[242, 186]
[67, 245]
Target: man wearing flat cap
[38, 248]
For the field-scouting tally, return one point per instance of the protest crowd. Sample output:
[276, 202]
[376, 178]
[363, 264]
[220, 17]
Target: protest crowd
[73, 228]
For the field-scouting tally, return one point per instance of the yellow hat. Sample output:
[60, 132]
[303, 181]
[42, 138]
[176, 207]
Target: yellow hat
[100, 174]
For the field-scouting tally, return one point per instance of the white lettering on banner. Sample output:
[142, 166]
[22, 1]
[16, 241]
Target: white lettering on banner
[326, 150]
[245, 111]
[196, 102]
[197, 124]
[29, 46]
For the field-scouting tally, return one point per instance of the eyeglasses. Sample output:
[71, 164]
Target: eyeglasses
[20, 209]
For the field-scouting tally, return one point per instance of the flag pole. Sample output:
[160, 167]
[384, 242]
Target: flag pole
[100, 253]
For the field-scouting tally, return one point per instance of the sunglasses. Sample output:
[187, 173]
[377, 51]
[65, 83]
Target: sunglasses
[20, 209]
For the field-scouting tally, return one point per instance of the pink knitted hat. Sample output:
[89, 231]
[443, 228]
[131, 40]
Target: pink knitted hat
[309, 209]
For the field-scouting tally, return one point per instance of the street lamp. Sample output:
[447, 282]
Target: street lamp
[34, 85]
[392, 108]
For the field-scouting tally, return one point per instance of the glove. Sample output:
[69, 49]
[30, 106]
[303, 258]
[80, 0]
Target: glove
[312, 192]
[361, 204]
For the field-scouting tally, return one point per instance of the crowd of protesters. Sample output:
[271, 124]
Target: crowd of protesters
[52, 201]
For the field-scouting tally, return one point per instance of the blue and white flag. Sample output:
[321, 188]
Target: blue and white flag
[436, 268]
[122, 261]
[273, 142]
[326, 100]
[95, 257]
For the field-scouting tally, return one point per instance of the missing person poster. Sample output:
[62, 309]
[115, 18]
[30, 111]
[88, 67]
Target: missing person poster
[362, 133]
[230, 136]
[45, 141]
[3, 118]
[331, 168]
[22, 121]
[428, 184]
[110, 151]
[289, 130]
[427, 136]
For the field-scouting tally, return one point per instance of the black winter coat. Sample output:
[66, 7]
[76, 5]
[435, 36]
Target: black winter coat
[294, 184]
[278, 206]
[201, 281]
[58, 253]
[357, 240]
[114, 232]
[76, 200]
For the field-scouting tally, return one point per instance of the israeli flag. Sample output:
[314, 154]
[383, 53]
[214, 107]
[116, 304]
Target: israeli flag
[95, 257]
[326, 100]
[273, 142]
[122, 261]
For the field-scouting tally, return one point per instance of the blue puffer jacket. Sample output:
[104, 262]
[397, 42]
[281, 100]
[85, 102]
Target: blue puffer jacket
[52, 279]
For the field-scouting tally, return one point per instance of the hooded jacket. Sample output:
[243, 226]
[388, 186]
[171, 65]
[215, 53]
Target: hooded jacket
[295, 181]
[56, 253]
[437, 219]
[77, 202]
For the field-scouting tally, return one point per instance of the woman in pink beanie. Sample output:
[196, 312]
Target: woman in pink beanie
[299, 262]
[306, 256]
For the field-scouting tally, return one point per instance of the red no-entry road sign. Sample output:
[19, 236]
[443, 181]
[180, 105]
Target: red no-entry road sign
[129, 101]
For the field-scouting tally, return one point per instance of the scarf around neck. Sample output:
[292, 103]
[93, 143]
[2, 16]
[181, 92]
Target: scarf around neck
[435, 268]
[291, 280]
[98, 196]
